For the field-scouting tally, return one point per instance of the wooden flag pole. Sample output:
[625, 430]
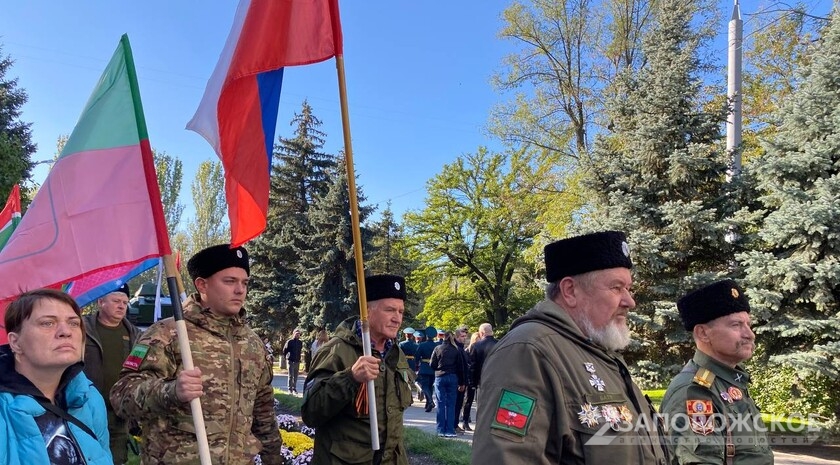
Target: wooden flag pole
[357, 245]
[172, 278]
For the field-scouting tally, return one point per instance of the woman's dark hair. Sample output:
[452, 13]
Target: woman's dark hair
[21, 309]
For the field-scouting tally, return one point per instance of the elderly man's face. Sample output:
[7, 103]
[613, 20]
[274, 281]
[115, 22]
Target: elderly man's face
[604, 299]
[730, 338]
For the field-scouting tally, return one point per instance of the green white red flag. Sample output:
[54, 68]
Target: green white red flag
[10, 216]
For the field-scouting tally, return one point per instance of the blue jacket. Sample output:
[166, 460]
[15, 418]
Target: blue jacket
[22, 441]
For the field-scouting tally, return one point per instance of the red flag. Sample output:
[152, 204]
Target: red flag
[238, 112]
[10, 216]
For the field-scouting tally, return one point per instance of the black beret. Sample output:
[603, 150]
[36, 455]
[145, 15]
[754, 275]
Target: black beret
[384, 286]
[713, 301]
[216, 258]
[582, 254]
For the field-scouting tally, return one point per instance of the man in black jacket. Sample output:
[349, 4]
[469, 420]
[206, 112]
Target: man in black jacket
[292, 351]
[480, 352]
[109, 339]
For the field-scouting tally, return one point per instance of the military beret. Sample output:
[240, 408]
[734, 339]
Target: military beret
[713, 301]
[419, 334]
[213, 259]
[582, 254]
[441, 332]
[408, 330]
[384, 286]
[123, 289]
[431, 331]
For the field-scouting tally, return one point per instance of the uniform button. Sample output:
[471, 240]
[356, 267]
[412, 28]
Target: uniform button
[381, 367]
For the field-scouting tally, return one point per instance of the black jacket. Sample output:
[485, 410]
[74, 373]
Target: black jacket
[478, 353]
[447, 360]
[292, 350]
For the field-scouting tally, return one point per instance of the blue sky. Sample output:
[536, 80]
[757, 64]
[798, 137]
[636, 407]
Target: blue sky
[418, 77]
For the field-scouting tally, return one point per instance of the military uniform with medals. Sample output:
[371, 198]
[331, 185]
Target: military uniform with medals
[710, 415]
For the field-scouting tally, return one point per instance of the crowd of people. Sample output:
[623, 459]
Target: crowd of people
[553, 390]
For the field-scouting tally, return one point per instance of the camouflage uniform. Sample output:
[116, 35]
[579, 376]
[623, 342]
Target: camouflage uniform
[700, 434]
[342, 436]
[238, 402]
[551, 396]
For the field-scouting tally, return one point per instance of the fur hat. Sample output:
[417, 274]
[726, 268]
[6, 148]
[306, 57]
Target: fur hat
[213, 259]
[713, 301]
[582, 254]
[384, 286]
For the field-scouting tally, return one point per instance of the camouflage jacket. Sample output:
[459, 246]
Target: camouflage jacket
[708, 406]
[238, 402]
[342, 436]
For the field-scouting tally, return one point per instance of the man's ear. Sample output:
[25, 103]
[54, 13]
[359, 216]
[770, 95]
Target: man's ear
[200, 285]
[701, 333]
[568, 290]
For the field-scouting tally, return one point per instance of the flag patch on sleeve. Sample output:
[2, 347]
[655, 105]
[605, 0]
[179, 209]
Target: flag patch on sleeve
[513, 412]
[136, 357]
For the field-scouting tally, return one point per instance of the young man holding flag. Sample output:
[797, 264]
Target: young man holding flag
[232, 376]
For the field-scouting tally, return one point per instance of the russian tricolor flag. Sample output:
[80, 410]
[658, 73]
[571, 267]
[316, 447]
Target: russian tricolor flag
[238, 112]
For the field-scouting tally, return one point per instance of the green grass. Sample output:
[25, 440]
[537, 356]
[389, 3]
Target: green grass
[292, 403]
[443, 451]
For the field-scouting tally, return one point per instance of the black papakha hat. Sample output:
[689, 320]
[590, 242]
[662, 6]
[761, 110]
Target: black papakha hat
[384, 286]
[582, 254]
[713, 301]
[216, 258]
[123, 289]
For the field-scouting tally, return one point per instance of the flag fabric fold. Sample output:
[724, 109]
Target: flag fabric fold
[10, 216]
[98, 215]
[238, 112]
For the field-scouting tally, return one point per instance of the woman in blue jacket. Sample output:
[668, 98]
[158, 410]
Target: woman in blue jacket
[50, 413]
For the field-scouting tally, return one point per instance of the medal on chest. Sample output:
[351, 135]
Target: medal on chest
[594, 380]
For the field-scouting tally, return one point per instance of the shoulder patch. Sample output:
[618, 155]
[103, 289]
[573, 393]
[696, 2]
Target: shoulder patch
[136, 357]
[700, 414]
[513, 412]
[704, 378]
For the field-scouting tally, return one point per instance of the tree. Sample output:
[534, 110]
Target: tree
[660, 177]
[793, 271]
[327, 291]
[170, 172]
[571, 52]
[390, 254]
[16, 146]
[480, 216]
[209, 227]
[300, 175]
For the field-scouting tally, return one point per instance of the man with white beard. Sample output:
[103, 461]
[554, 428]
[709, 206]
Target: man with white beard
[554, 389]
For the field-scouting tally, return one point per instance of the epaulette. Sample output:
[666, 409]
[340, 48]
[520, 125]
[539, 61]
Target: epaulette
[704, 377]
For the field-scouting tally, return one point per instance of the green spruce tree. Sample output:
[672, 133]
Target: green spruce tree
[16, 145]
[327, 290]
[660, 177]
[300, 174]
[793, 271]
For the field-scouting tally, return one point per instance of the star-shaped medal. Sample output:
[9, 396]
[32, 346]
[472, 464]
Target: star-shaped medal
[597, 383]
[589, 415]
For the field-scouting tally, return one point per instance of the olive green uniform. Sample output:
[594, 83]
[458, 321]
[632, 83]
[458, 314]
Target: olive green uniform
[551, 396]
[342, 436]
[701, 437]
[238, 402]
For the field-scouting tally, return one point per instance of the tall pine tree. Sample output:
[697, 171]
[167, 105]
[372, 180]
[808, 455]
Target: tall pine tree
[327, 290]
[16, 145]
[793, 273]
[300, 174]
[660, 177]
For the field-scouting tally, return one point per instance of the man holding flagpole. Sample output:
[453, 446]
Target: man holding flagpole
[335, 394]
[231, 374]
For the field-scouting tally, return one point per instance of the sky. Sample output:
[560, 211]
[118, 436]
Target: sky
[418, 78]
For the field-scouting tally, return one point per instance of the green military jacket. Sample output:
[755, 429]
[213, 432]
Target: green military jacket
[238, 400]
[708, 406]
[342, 436]
[551, 396]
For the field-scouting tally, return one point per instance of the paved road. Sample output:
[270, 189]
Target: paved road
[417, 417]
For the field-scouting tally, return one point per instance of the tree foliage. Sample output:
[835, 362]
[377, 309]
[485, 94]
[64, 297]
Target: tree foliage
[16, 146]
[170, 173]
[660, 177]
[480, 216]
[210, 226]
[793, 269]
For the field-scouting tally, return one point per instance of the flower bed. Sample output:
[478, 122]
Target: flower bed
[298, 442]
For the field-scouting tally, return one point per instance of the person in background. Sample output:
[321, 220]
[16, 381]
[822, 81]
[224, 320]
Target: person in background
[335, 400]
[50, 412]
[292, 350]
[320, 339]
[479, 353]
[713, 418]
[570, 342]
[109, 339]
[231, 376]
[441, 335]
[450, 377]
[409, 347]
[460, 339]
[470, 397]
[419, 337]
[425, 373]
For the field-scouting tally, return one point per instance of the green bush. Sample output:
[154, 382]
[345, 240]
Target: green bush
[781, 391]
